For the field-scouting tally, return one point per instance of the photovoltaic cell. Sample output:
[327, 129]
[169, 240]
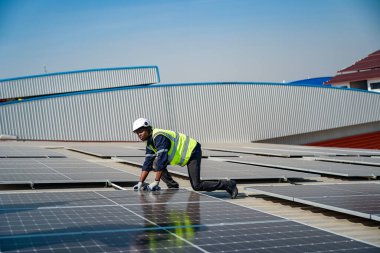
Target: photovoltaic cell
[165, 221]
[345, 198]
[58, 170]
[212, 169]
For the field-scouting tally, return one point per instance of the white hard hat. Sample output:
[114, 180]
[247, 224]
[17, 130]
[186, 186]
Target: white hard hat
[141, 122]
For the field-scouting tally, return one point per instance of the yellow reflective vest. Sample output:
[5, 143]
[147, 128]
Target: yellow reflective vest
[181, 146]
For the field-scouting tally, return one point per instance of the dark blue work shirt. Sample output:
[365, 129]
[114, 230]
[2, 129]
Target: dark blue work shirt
[162, 145]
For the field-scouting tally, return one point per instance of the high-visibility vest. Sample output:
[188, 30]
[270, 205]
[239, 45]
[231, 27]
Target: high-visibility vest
[181, 146]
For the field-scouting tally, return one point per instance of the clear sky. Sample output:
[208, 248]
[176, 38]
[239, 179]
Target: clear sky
[189, 40]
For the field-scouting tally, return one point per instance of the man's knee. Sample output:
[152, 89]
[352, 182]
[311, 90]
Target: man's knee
[198, 187]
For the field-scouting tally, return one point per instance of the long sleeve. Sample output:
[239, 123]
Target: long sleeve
[162, 145]
[149, 159]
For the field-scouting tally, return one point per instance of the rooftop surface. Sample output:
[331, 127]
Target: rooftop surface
[346, 225]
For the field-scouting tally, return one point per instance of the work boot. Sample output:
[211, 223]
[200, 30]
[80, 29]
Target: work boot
[173, 186]
[232, 189]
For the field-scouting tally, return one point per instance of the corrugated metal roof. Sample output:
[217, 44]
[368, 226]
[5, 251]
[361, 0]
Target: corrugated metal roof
[73, 81]
[264, 111]
[312, 81]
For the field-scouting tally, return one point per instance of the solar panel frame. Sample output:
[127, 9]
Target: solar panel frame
[345, 198]
[105, 221]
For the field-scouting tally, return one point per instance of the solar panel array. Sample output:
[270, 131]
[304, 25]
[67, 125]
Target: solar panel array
[13, 151]
[214, 170]
[165, 221]
[113, 151]
[310, 166]
[297, 151]
[58, 170]
[361, 200]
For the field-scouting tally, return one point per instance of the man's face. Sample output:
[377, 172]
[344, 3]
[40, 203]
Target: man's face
[142, 133]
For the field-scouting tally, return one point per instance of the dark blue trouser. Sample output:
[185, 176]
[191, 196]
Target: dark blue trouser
[194, 170]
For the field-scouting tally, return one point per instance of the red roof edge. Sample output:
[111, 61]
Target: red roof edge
[366, 141]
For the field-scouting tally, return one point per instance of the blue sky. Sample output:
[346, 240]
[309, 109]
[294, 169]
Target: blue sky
[189, 40]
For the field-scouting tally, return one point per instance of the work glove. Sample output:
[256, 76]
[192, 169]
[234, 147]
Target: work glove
[154, 186]
[140, 186]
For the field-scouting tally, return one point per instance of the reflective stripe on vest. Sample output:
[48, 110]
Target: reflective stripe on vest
[181, 146]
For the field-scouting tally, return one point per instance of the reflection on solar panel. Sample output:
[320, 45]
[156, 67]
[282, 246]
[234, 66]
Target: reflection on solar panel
[10, 151]
[165, 221]
[353, 160]
[361, 200]
[58, 170]
[298, 151]
[336, 169]
[213, 170]
[108, 151]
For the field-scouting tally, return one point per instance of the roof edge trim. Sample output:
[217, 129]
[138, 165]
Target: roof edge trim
[81, 71]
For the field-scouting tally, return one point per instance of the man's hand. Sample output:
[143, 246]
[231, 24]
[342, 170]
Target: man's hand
[154, 186]
[140, 186]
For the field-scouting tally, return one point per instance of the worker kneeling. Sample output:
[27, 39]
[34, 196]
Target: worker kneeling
[175, 149]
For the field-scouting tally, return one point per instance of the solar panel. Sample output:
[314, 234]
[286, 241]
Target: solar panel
[137, 161]
[341, 151]
[164, 221]
[214, 170]
[14, 151]
[213, 153]
[267, 151]
[294, 151]
[321, 151]
[58, 170]
[361, 200]
[108, 151]
[372, 161]
[336, 169]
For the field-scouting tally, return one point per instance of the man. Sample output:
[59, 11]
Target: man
[173, 148]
